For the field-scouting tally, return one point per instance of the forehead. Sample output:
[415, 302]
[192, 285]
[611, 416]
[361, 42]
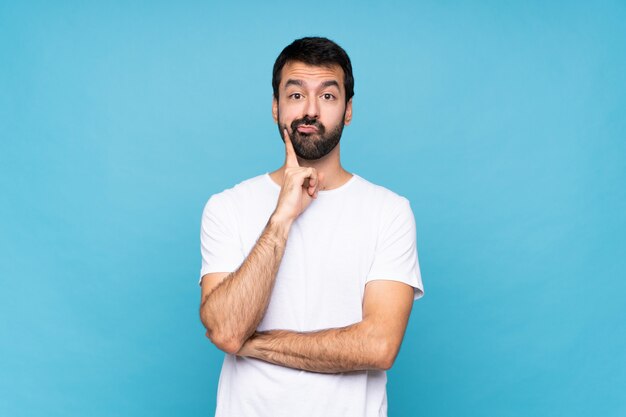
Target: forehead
[296, 70]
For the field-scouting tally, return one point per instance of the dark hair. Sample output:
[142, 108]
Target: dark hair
[318, 52]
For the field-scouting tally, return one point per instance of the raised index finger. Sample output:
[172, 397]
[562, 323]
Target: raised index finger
[291, 160]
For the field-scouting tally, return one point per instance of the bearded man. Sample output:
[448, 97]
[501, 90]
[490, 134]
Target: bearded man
[309, 272]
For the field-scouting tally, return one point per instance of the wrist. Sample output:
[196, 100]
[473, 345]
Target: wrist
[280, 225]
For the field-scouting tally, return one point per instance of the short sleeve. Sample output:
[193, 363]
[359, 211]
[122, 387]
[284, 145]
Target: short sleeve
[396, 257]
[220, 245]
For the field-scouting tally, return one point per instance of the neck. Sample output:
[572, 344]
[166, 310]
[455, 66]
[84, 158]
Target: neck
[330, 165]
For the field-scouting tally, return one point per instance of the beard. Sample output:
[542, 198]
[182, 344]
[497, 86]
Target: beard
[312, 146]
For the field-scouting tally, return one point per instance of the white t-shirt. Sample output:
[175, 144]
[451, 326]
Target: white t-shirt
[347, 237]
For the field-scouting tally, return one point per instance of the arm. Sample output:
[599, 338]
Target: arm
[233, 304]
[371, 344]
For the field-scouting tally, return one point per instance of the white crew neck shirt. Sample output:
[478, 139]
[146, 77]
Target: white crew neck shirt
[348, 236]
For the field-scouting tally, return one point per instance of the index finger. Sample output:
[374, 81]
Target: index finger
[291, 160]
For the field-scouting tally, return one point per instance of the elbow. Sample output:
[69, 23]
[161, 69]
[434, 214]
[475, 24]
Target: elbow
[227, 345]
[224, 342]
[385, 355]
[221, 339]
[385, 364]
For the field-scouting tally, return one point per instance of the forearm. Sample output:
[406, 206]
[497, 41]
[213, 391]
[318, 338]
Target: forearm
[351, 348]
[233, 310]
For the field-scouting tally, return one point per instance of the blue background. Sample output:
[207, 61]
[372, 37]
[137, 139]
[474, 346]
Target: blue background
[503, 123]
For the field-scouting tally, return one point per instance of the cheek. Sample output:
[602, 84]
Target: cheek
[336, 118]
[287, 114]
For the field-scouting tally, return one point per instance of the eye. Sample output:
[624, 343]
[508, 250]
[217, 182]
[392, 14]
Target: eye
[296, 96]
[328, 96]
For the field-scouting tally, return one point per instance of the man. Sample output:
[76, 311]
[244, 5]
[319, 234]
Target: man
[308, 272]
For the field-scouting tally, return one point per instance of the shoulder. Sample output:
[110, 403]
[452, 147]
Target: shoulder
[243, 188]
[387, 199]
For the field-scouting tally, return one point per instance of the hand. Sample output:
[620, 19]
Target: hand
[300, 185]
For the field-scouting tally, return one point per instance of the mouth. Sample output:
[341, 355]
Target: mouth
[307, 129]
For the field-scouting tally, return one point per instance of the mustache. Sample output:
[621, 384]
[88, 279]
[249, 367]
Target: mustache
[309, 121]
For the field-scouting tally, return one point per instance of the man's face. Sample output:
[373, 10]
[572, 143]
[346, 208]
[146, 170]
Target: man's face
[312, 107]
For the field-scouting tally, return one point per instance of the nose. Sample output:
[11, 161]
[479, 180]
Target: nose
[312, 107]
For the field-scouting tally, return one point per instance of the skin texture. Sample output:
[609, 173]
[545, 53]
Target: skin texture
[234, 303]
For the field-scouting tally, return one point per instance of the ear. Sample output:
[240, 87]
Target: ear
[348, 117]
[275, 109]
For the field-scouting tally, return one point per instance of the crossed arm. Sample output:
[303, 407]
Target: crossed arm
[371, 344]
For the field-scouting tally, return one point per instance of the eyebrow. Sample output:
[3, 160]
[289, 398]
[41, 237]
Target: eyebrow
[330, 83]
[299, 83]
[293, 82]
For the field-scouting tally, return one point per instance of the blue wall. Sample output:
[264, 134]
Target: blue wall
[504, 123]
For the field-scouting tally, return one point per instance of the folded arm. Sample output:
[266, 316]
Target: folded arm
[233, 304]
[371, 344]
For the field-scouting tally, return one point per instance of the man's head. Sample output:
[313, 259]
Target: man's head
[313, 87]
